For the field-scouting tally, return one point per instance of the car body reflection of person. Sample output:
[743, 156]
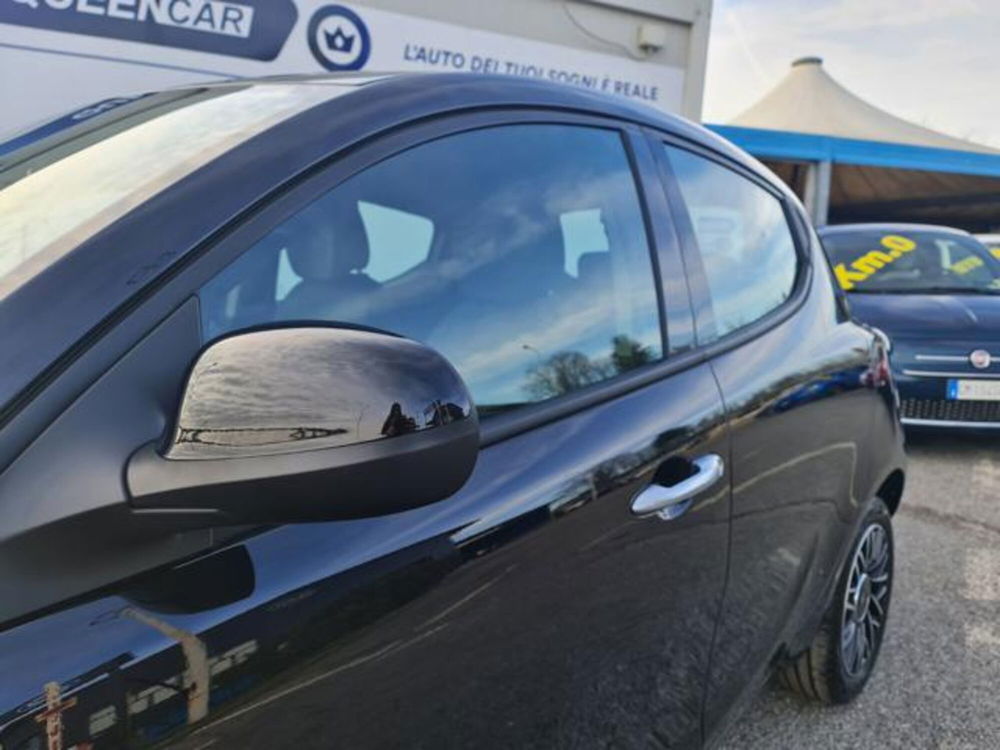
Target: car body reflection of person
[398, 423]
[439, 413]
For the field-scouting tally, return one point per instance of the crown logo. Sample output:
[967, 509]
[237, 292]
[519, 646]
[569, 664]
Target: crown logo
[338, 41]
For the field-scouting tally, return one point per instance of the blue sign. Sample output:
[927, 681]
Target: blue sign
[338, 38]
[255, 29]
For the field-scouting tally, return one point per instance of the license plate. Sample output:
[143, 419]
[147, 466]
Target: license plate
[974, 390]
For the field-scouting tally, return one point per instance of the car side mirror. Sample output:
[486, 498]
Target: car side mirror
[309, 424]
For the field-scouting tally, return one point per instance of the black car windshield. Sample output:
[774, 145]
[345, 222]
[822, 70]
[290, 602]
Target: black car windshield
[900, 261]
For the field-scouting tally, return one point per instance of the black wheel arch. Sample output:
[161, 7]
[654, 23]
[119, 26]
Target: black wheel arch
[891, 490]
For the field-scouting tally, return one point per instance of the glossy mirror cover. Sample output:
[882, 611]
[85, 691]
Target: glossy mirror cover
[287, 390]
[306, 424]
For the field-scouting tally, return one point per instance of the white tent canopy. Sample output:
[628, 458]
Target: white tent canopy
[809, 100]
[851, 161]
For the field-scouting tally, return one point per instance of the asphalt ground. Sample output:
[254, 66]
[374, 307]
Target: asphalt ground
[937, 683]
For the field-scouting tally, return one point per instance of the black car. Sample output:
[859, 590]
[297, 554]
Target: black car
[935, 292]
[424, 411]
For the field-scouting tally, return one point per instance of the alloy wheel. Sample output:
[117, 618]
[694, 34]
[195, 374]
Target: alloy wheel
[866, 601]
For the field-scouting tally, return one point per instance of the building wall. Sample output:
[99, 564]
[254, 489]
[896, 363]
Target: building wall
[608, 28]
[57, 56]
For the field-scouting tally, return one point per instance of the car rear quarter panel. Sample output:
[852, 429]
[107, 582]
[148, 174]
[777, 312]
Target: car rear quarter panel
[814, 434]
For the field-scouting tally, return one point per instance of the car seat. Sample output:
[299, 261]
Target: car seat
[327, 248]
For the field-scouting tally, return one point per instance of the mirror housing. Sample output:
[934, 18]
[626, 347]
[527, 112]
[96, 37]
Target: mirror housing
[216, 580]
[310, 423]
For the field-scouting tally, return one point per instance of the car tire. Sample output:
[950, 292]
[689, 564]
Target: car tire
[837, 665]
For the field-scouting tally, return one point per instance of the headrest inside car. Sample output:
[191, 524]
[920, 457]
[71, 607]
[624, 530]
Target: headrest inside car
[326, 241]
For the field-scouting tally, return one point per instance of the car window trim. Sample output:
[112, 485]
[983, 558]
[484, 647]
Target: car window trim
[700, 295]
[669, 272]
[530, 415]
[200, 263]
[638, 165]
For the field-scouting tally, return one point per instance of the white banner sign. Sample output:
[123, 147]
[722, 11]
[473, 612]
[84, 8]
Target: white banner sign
[343, 38]
[59, 54]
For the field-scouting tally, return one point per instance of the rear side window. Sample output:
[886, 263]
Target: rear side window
[519, 252]
[743, 237]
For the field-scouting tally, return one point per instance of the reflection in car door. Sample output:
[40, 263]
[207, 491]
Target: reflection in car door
[793, 376]
[531, 609]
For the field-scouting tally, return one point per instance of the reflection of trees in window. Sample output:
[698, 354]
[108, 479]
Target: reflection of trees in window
[628, 353]
[565, 372]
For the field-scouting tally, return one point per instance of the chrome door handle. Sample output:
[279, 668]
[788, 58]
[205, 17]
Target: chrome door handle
[673, 501]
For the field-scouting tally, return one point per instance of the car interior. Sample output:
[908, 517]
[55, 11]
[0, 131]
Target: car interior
[491, 284]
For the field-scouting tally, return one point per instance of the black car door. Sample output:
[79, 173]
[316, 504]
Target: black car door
[794, 373]
[535, 607]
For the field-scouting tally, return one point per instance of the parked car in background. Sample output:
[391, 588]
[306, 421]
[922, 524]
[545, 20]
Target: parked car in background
[935, 292]
[429, 411]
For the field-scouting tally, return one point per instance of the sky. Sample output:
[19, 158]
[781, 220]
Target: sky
[934, 62]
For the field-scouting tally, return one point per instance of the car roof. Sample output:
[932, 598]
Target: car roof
[876, 226]
[506, 90]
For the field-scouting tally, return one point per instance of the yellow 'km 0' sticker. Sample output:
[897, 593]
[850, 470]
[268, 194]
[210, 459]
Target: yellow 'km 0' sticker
[871, 262]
